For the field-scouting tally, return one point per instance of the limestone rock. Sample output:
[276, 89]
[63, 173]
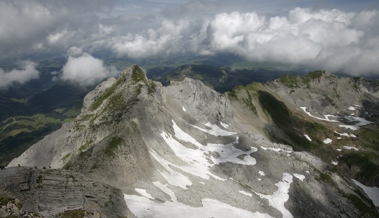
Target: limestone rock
[181, 148]
[49, 193]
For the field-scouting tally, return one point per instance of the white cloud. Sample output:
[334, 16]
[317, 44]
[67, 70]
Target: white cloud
[326, 39]
[168, 39]
[75, 51]
[85, 70]
[23, 75]
[35, 25]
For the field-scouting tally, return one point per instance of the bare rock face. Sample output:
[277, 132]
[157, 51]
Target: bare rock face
[324, 93]
[53, 193]
[184, 151]
[198, 100]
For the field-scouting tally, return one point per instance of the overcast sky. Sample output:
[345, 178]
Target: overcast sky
[335, 35]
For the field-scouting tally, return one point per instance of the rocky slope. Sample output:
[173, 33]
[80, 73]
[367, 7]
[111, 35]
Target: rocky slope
[29, 192]
[334, 118]
[185, 150]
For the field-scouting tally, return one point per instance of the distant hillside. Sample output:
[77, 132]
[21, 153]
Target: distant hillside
[29, 113]
[335, 118]
[219, 78]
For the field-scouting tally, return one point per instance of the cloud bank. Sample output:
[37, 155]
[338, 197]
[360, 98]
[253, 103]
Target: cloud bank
[328, 39]
[85, 70]
[40, 25]
[20, 76]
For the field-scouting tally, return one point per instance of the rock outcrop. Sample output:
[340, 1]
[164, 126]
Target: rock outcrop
[28, 192]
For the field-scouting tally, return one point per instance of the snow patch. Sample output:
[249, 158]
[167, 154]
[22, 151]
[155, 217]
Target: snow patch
[173, 177]
[183, 136]
[307, 136]
[327, 141]
[335, 163]
[351, 108]
[372, 192]
[360, 122]
[184, 109]
[215, 130]
[229, 153]
[144, 207]
[166, 190]
[299, 176]
[261, 173]
[224, 125]
[349, 127]
[324, 119]
[351, 148]
[338, 149]
[280, 196]
[196, 162]
[275, 149]
[144, 193]
[245, 193]
[346, 134]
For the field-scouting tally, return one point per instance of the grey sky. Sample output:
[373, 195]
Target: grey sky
[329, 34]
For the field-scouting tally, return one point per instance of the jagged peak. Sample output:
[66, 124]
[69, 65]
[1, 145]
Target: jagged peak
[132, 75]
[134, 72]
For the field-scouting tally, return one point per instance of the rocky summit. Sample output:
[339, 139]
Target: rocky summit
[184, 150]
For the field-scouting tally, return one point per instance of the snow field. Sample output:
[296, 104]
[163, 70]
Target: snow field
[144, 207]
[173, 177]
[198, 162]
[280, 196]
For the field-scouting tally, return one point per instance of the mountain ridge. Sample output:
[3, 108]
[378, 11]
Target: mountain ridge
[187, 146]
